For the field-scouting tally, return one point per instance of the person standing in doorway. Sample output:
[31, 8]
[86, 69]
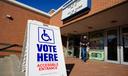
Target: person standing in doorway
[84, 44]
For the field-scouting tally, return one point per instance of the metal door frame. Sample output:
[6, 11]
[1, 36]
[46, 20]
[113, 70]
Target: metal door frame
[121, 46]
[118, 47]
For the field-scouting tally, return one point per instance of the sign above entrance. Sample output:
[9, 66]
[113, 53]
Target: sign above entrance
[74, 6]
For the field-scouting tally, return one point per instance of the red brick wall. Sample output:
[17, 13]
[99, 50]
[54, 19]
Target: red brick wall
[12, 32]
[56, 19]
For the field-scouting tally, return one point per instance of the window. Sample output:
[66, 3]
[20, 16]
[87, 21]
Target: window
[96, 40]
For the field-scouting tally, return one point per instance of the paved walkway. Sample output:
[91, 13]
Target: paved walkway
[96, 68]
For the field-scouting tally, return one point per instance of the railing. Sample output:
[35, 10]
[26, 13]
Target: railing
[7, 46]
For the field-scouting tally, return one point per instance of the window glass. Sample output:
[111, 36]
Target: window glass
[96, 40]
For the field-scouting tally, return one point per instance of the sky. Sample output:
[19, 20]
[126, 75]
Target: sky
[44, 5]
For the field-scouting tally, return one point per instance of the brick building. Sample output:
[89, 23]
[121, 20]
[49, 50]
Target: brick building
[105, 24]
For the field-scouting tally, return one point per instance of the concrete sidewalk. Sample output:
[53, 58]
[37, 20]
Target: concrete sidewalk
[96, 68]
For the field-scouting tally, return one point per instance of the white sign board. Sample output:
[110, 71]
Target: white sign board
[44, 50]
[73, 7]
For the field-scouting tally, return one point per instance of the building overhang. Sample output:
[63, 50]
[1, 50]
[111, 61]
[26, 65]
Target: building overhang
[111, 17]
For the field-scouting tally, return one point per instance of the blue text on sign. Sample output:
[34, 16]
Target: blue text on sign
[46, 53]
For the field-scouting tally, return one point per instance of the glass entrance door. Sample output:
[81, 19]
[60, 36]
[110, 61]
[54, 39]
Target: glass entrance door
[124, 50]
[112, 46]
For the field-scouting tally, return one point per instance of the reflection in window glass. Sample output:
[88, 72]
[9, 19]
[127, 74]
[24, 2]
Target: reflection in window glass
[96, 40]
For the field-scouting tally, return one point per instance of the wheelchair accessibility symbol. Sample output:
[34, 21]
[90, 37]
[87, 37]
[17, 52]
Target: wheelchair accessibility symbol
[45, 35]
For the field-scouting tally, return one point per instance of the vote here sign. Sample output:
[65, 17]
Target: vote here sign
[45, 54]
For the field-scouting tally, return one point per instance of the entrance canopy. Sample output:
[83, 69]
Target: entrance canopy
[111, 17]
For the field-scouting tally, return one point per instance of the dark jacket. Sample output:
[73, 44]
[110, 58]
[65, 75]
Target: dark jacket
[84, 42]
